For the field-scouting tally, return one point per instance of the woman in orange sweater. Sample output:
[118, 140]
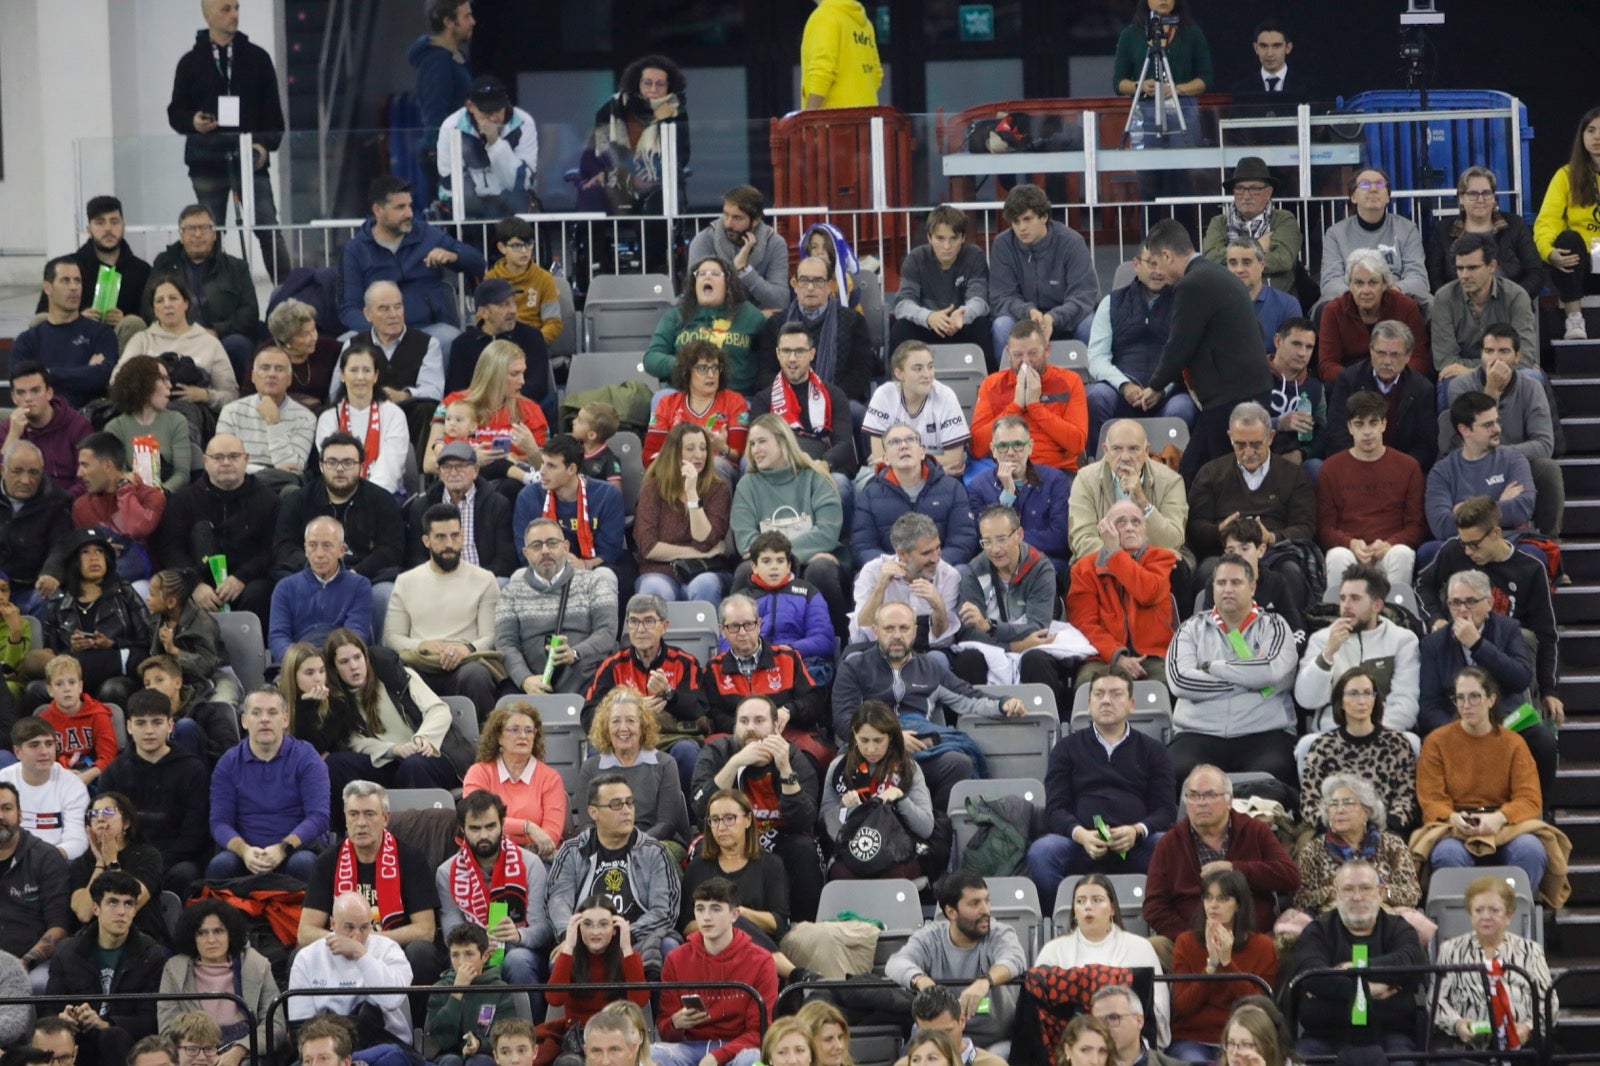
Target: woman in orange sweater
[1478, 777]
[1223, 940]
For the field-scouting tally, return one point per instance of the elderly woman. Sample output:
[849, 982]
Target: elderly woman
[293, 325]
[141, 393]
[212, 953]
[1372, 225]
[1095, 935]
[1516, 256]
[681, 524]
[1491, 1007]
[1223, 939]
[1355, 818]
[699, 375]
[1368, 296]
[361, 410]
[1358, 744]
[624, 738]
[173, 331]
[511, 765]
[714, 308]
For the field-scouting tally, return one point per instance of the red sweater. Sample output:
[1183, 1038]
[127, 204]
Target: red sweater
[1201, 1008]
[1380, 500]
[734, 1017]
[1060, 428]
[1344, 340]
[728, 414]
[86, 738]
[1172, 885]
[133, 510]
[581, 1006]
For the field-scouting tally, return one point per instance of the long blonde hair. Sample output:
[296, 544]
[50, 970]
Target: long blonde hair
[793, 457]
[487, 392]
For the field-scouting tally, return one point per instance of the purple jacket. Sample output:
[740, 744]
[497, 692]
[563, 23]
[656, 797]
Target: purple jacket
[795, 615]
[58, 441]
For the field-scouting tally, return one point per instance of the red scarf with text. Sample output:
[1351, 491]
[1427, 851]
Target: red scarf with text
[1501, 1017]
[786, 405]
[374, 436]
[385, 876]
[472, 895]
[580, 518]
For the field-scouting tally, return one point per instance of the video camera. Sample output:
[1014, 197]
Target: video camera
[1155, 28]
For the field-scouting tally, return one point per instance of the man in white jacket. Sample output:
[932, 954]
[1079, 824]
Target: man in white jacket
[348, 960]
[1360, 636]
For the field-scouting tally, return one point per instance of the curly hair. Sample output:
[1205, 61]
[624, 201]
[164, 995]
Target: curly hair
[690, 354]
[628, 84]
[489, 741]
[600, 725]
[190, 919]
[135, 383]
[736, 296]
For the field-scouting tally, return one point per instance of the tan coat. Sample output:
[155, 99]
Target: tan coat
[1093, 494]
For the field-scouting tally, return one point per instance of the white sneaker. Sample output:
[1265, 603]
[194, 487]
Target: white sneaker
[1577, 330]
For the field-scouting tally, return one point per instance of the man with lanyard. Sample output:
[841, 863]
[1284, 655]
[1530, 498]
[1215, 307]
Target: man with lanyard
[783, 790]
[589, 512]
[488, 870]
[814, 407]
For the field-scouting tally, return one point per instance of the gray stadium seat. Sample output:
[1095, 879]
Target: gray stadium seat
[1130, 904]
[622, 310]
[1151, 713]
[1447, 905]
[420, 799]
[890, 900]
[464, 715]
[566, 343]
[591, 370]
[1015, 900]
[1017, 747]
[625, 445]
[246, 641]
[1070, 354]
[1160, 431]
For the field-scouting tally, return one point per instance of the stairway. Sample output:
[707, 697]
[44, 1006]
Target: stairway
[1574, 937]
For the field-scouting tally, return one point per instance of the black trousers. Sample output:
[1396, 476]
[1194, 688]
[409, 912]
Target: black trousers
[799, 854]
[974, 332]
[1271, 753]
[1571, 284]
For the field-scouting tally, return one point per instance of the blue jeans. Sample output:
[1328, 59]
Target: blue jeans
[709, 587]
[1524, 851]
[685, 753]
[225, 864]
[1107, 403]
[690, 1052]
[1187, 1050]
[187, 734]
[380, 607]
[1053, 858]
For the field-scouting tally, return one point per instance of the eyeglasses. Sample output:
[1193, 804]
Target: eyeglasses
[708, 368]
[1472, 545]
[1202, 797]
[723, 819]
[105, 812]
[1368, 186]
[900, 442]
[1461, 603]
[809, 282]
[995, 542]
[548, 544]
[198, 227]
[517, 246]
[1478, 194]
[519, 731]
[197, 1051]
[1468, 699]
[64, 1058]
[225, 457]
[340, 464]
[794, 351]
[1341, 804]
[1116, 1019]
[1011, 445]
[709, 274]
[617, 805]
[739, 627]
[653, 83]
[1251, 189]
[643, 622]
[1240, 1046]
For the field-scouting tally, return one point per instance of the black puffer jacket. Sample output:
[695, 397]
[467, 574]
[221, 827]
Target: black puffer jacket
[75, 975]
[244, 519]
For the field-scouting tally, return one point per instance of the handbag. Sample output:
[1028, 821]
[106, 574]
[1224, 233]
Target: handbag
[686, 570]
[791, 525]
[874, 840]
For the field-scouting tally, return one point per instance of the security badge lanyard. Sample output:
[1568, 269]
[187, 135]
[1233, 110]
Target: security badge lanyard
[227, 103]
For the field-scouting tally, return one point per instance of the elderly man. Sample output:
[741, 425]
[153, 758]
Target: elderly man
[1050, 398]
[226, 512]
[914, 575]
[1130, 329]
[485, 514]
[1039, 494]
[33, 878]
[669, 677]
[782, 787]
[847, 361]
[1369, 507]
[1120, 598]
[391, 876]
[1339, 1012]
[1246, 261]
[1408, 396]
[1297, 402]
[1008, 600]
[1360, 637]
[34, 525]
[1123, 1012]
[223, 295]
[819, 411]
[78, 352]
[495, 319]
[441, 616]
[394, 246]
[415, 377]
[345, 961]
[1231, 670]
[48, 422]
[754, 667]
[1212, 835]
[1478, 298]
[1253, 218]
[551, 598]
[911, 483]
[1129, 473]
[1108, 775]
[499, 153]
[276, 430]
[324, 596]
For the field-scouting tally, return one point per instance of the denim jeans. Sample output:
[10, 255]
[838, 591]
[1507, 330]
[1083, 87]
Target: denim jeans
[1524, 851]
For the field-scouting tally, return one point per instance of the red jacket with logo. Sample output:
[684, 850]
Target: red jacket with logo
[780, 673]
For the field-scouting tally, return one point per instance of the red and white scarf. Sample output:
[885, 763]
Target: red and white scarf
[385, 876]
[374, 431]
[580, 518]
[1501, 1017]
[786, 405]
[472, 895]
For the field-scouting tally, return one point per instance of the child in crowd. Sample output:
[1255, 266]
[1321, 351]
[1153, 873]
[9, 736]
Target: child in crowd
[512, 1041]
[792, 612]
[460, 424]
[538, 304]
[16, 638]
[458, 1022]
[594, 427]
[86, 741]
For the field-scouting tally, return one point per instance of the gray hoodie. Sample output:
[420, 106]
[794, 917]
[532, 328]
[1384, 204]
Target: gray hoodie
[1525, 422]
[1054, 274]
[766, 275]
[652, 877]
[1398, 240]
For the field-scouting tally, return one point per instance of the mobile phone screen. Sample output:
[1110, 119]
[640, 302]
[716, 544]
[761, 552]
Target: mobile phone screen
[485, 1020]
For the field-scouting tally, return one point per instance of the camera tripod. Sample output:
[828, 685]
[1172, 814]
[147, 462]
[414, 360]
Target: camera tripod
[1156, 66]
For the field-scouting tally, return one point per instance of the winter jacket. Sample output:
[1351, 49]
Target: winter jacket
[1283, 253]
[735, 1018]
[242, 519]
[1025, 605]
[1094, 491]
[1043, 508]
[1221, 695]
[449, 1019]
[1520, 589]
[1412, 425]
[526, 617]
[932, 691]
[794, 614]
[795, 813]
[306, 608]
[855, 361]
[1123, 603]
[1172, 885]
[766, 273]
[764, 494]
[839, 56]
[33, 537]
[428, 298]
[1524, 409]
[1326, 1003]
[1212, 346]
[734, 331]
[652, 875]
[1344, 339]
[374, 532]
[443, 80]
[57, 441]
[1500, 650]
[195, 87]
[1389, 654]
[173, 798]
[1053, 274]
[1058, 422]
[1397, 239]
[942, 499]
[491, 528]
[1517, 258]
[252, 982]
[509, 167]
[779, 674]
[1286, 502]
[685, 699]
[1455, 478]
[75, 977]
[135, 274]
[119, 613]
[226, 297]
[201, 652]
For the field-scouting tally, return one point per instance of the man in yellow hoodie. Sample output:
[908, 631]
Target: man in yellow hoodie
[839, 57]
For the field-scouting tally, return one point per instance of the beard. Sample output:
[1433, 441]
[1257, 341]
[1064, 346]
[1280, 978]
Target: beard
[486, 848]
[8, 833]
[446, 561]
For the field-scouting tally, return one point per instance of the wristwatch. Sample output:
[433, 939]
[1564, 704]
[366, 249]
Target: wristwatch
[289, 847]
[791, 779]
[694, 505]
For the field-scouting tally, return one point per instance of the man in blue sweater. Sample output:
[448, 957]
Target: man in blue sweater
[323, 597]
[1108, 795]
[1480, 467]
[79, 352]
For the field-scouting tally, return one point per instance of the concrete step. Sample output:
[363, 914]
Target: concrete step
[1577, 1031]
[1582, 433]
[1582, 826]
[1578, 929]
[1581, 518]
[1577, 394]
[1578, 992]
[1581, 473]
[1585, 878]
[1577, 785]
[1580, 645]
[1581, 688]
[1576, 604]
[1580, 743]
[1580, 558]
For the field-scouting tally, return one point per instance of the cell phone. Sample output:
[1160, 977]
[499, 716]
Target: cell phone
[485, 1020]
[694, 1002]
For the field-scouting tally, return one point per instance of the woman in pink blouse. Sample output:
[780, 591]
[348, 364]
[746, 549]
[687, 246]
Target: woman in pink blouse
[511, 765]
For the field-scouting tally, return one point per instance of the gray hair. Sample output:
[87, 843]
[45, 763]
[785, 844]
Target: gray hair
[18, 446]
[736, 597]
[1207, 768]
[1013, 422]
[647, 603]
[363, 789]
[368, 296]
[606, 1021]
[288, 318]
[910, 528]
[1365, 794]
[1372, 261]
[1250, 413]
[1475, 581]
[1135, 1006]
[1392, 330]
[1250, 244]
[892, 426]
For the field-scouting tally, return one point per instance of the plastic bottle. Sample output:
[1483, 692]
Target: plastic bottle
[1136, 129]
[556, 268]
[1303, 405]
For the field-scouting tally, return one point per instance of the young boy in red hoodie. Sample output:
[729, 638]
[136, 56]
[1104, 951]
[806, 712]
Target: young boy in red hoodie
[723, 1026]
[86, 740]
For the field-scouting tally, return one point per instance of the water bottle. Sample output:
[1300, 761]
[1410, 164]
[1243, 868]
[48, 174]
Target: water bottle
[1136, 129]
[556, 269]
[1303, 404]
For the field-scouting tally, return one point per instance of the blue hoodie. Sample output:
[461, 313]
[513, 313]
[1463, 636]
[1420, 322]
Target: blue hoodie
[428, 299]
[442, 83]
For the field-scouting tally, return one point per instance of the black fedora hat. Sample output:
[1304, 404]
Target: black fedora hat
[1251, 168]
